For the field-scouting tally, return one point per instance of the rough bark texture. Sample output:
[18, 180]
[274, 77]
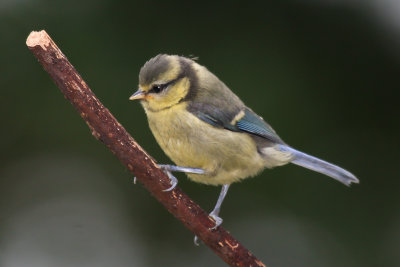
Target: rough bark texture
[108, 130]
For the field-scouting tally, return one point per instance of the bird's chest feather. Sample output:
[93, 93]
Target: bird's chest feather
[180, 133]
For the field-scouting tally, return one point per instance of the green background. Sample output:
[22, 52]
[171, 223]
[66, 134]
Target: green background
[324, 75]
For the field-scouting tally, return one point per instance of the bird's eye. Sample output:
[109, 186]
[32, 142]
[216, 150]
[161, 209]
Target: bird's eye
[158, 88]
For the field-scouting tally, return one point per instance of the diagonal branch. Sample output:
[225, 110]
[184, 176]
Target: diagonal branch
[109, 131]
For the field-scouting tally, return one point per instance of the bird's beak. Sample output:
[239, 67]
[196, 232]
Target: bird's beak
[139, 94]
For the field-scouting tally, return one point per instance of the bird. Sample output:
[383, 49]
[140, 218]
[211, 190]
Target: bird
[209, 133]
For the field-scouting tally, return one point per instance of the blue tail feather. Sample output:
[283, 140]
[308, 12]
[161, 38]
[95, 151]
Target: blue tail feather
[321, 166]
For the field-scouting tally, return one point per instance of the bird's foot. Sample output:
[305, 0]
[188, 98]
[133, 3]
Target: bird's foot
[218, 220]
[172, 179]
[214, 214]
[196, 241]
[171, 168]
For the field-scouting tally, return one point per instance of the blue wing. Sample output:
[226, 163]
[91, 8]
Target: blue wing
[254, 124]
[249, 123]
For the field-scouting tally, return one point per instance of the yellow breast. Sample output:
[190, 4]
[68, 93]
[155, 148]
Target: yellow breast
[226, 156]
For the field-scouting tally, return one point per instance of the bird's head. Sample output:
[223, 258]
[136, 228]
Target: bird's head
[165, 81]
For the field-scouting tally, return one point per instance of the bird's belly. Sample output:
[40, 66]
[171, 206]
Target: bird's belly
[226, 156]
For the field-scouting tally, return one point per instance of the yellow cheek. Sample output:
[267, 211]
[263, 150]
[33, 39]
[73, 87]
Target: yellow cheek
[172, 97]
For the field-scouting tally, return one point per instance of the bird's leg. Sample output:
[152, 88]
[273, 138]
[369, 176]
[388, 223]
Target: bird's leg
[215, 212]
[171, 168]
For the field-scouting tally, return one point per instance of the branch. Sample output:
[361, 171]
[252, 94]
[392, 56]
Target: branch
[108, 130]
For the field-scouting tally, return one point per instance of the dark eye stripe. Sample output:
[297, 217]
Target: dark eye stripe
[158, 88]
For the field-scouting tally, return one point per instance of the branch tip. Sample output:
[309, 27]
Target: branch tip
[38, 38]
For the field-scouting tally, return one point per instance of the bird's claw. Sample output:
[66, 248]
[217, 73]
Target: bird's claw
[171, 168]
[172, 180]
[218, 220]
[196, 241]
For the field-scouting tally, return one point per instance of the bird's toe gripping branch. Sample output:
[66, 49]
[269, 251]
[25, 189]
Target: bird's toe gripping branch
[171, 168]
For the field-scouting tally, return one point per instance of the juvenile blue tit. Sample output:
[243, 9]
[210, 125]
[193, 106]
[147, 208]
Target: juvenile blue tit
[207, 130]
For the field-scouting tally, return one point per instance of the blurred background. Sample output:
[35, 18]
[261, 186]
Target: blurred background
[324, 74]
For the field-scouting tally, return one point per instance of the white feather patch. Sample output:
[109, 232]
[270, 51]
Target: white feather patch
[275, 157]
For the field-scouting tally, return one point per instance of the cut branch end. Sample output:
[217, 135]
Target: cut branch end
[38, 38]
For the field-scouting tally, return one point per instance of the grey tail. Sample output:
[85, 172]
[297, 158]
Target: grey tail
[321, 166]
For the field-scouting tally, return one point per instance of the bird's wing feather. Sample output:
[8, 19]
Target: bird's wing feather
[254, 124]
[249, 122]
